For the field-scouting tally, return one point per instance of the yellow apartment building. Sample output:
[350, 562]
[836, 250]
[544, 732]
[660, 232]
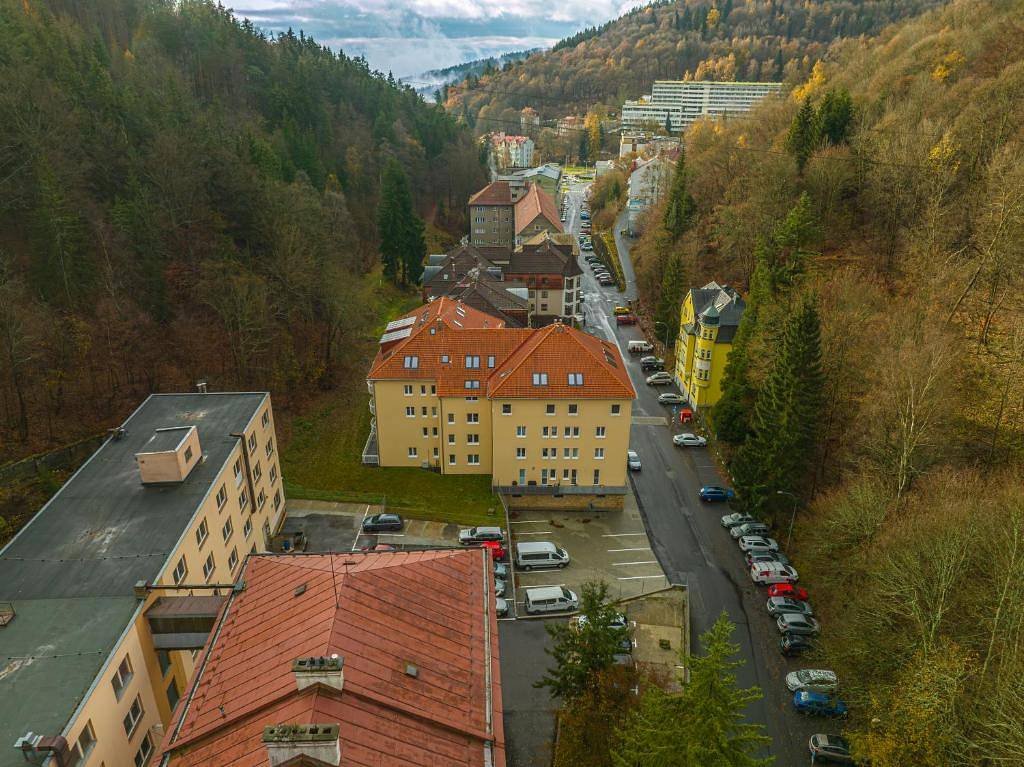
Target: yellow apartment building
[543, 412]
[113, 586]
[708, 322]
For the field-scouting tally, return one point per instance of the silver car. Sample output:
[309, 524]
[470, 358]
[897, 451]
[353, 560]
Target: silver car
[686, 439]
[812, 680]
[671, 398]
[736, 518]
[749, 528]
[758, 543]
[781, 605]
[795, 623]
[633, 460]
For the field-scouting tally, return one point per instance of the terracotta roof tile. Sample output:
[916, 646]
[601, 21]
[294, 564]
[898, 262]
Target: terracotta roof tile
[532, 204]
[495, 193]
[379, 624]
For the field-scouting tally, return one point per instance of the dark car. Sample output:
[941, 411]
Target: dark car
[794, 644]
[829, 749]
[378, 523]
[653, 364]
[714, 493]
[766, 556]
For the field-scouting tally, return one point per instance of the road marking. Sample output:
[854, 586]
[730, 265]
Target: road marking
[391, 535]
[545, 586]
[616, 535]
[650, 420]
[360, 533]
[639, 577]
[533, 532]
[527, 521]
[627, 564]
[642, 548]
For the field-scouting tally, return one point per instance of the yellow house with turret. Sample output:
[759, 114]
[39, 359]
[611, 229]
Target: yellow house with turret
[708, 322]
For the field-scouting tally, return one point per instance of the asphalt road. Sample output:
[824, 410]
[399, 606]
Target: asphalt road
[687, 537]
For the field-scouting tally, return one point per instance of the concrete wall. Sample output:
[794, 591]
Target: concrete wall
[492, 225]
[582, 503]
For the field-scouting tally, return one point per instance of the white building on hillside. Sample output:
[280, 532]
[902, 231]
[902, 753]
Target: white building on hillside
[674, 104]
[512, 151]
[647, 183]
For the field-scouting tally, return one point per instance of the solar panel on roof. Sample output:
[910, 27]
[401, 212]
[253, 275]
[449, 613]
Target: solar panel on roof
[396, 324]
[395, 335]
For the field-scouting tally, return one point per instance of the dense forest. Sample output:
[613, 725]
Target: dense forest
[184, 197]
[875, 221]
[732, 40]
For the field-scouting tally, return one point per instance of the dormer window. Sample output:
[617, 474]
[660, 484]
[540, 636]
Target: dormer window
[411, 362]
[445, 359]
[472, 361]
[472, 384]
[540, 379]
[575, 379]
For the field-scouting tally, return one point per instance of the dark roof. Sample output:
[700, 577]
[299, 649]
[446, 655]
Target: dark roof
[723, 300]
[490, 295]
[458, 263]
[164, 440]
[546, 258]
[495, 193]
[71, 570]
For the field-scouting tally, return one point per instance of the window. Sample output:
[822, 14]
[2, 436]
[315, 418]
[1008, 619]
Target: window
[426, 432]
[180, 571]
[277, 500]
[247, 527]
[543, 294]
[131, 719]
[188, 454]
[257, 472]
[544, 453]
[472, 418]
[549, 409]
[575, 379]
[472, 399]
[599, 432]
[540, 379]
[433, 412]
[423, 411]
[435, 452]
[243, 499]
[252, 442]
[451, 418]
[410, 412]
[411, 362]
[575, 453]
[273, 473]
[616, 409]
[506, 408]
[407, 390]
[412, 452]
[209, 566]
[472, 361]
[201, 533]
[565, 475]
[261, 499]
[599, 453]
[473, 459]
[597, 476]
[472, 439]
[544, 432]
[238, 472]
[490, 360]
[521, 453]
[565, 452]
[163, 657]
[472, 383]
[575, 432]
[451, 459]
[451, 439]
[172, 693]
[567, 432]
[574, 409]
[423, 390]
[232, 559]
[222, 496]
[144, 752]
[227, 530]
[83, 746]
[122, 677]
[543, 307]
[266, 418]
[445, 359]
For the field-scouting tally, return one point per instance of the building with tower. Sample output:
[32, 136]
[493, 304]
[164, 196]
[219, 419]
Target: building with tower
[708, 322]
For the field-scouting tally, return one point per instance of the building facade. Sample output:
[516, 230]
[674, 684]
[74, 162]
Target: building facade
[543, 411]
[648, 182]
[115, 580]
[708, 322]
[547, 265]
[492, 216]
[674, 104]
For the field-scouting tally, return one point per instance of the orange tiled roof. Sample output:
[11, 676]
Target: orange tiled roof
[495, 193]
[377, 625]
[532, 204]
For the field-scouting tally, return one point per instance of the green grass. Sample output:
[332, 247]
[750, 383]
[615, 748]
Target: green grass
[611, 258]
[321, 460]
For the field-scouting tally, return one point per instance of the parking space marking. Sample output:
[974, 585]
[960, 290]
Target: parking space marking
[391, 535]
[638, 577]
[642, 548]
[645, 562]
[526, 521]
[360, 533]
[534, 532]
[616, 535]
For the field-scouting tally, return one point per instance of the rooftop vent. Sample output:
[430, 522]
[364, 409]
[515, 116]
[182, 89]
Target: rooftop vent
[201, 386]
[169, 455]
[328, 671]
[289, 743]
[37, 749]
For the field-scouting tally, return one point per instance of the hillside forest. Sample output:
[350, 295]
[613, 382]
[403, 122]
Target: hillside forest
[183, 197]
[883, 346]
[599, 68]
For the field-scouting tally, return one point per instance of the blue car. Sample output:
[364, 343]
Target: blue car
[713, 493]
[818, 704]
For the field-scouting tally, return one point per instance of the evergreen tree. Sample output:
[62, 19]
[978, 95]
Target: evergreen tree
[704, 725]
[835, 117]
[777, 456]
[680, 209]
[402, 247]
[668, 123]
[673, 286]
[792, 239]
[584, 147]
[802, 139]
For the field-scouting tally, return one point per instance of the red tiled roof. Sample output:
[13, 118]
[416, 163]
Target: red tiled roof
[495, 193]
[532, 204]
[434, 609]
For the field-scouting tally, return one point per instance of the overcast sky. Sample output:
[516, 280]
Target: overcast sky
[407, 37]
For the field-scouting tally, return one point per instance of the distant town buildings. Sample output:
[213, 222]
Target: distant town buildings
[503, 215]
[529, 119]
[569, 125]
[547, 177]
[708, 322]
[512, 151]
[647, 183]
[674, 104]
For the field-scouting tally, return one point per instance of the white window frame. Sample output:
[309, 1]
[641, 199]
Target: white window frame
[122, 677]
[209, 566]
[131, 719]
[202, 533]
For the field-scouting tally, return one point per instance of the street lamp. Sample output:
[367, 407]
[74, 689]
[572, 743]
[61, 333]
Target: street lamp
[792, 518]
[666, 326]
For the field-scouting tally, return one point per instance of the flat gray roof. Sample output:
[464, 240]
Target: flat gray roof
[70, 572]
[163, 440]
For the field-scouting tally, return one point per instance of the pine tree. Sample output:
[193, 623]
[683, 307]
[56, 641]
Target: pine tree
[673, 286]
[680, 209]
[402, 247]
[704, 725]
[584, 147]
[835, 117]
[802, 139]
[777, 456]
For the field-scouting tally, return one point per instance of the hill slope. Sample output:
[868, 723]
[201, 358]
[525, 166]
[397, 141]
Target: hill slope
[181, 197]
[755, 40]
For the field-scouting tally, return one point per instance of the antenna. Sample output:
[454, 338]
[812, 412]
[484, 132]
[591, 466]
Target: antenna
[334, 582]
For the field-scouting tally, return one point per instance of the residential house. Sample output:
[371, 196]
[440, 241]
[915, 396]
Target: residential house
[468, 277]
[502, 216]
[545, 412]
[647, 183]
[708, 322]
[112, 587]
[512, 151]
[386, 658]
[547, 265]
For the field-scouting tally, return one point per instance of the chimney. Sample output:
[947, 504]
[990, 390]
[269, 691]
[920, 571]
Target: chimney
[38, 749]
[328, 671]
[201, 386]
[288, 742]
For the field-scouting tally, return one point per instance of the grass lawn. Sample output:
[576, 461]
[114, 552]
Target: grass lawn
[321, 460]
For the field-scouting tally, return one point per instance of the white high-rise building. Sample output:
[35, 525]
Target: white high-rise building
[677, 103]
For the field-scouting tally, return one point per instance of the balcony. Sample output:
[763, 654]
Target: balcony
[183, 623]
[371, 456]
[373, 406]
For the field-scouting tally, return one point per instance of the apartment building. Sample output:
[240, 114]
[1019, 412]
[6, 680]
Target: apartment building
[535, 213]
[547, 266]
[113, 586]
[324, 659]
[502, 215]
[674, 104]
[708, 321]
[544, 411]
[648, 182]
[512, 151]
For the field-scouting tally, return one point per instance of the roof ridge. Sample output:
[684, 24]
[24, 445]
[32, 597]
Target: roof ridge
[546, 331]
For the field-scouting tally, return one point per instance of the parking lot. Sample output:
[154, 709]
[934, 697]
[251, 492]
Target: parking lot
[337, 527]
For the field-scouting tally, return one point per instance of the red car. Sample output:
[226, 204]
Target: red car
[498, 553]
[790, 590]
[626, 319]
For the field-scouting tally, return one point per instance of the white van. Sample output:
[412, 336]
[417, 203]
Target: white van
[538, 554]
[550, 599]
[638, 347]
[772, 572]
